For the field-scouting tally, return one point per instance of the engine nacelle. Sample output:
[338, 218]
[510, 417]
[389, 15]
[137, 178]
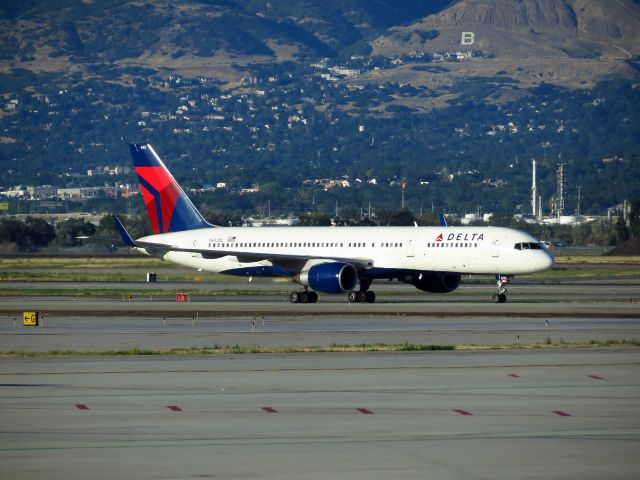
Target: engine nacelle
[434, 282]
[335, 277]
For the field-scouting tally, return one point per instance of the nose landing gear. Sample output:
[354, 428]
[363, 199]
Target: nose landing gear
[501, 282]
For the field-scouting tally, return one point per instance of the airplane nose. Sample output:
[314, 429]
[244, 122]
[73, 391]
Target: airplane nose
[548, 261]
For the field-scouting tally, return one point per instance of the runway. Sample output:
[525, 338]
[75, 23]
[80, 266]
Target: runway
[89, 334]
[446, 415]
[499, 414]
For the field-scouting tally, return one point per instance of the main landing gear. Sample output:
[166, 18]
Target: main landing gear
[303, 296]
[501, 282]
[364, 295]
[361, 296]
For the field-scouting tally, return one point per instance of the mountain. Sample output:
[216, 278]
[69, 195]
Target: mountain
[61, 34]
[568, 42]
[453, 95]
[571, 42]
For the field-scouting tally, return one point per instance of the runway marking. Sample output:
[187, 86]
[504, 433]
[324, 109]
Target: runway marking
[365, 411]
[595, 377]
[462, 412]
[560, 413]
[174, 408]
[81, 406]
[514, 375]
[269, 409]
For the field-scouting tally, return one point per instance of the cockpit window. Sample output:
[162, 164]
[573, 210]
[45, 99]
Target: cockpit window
[528, 246]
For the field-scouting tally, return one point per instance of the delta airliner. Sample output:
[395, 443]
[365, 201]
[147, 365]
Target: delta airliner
[328, 260]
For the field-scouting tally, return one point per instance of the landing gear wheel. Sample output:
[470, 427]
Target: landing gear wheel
[361, 297]
[502, 281]
[499, 298]
[303, 297]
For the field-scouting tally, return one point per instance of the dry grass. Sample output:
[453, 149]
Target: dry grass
[361, 348]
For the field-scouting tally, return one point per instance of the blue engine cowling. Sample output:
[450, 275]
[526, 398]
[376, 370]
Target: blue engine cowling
[435, 282]
[334, 277]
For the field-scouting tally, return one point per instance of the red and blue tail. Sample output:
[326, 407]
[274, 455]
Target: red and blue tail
[169, 208]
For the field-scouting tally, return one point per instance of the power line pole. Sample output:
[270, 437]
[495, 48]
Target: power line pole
[579, 189]
[404, 186]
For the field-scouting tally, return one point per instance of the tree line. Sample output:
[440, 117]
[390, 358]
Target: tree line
[33, 233]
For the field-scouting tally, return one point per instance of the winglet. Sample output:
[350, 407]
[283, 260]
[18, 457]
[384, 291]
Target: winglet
[126, 238]
[443, 220]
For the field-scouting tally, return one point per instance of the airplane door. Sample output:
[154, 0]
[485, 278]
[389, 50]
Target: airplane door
[411, 243]
[495, 248]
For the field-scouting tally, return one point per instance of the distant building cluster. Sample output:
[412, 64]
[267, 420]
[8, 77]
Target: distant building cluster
[107, 170]
[50, 192]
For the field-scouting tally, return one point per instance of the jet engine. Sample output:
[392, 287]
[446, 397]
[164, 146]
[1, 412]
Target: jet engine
[335, 277]
[434, 282]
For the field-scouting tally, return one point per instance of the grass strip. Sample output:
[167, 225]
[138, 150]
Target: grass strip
[333, 348]
[109, 292]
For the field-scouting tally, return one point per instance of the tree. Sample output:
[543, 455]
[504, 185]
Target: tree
[68, 231]
[315, 219]
[29, 235]
[634, 218]
[400, 218]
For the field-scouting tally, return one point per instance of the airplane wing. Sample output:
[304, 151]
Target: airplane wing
[250, 257]
[244, 257]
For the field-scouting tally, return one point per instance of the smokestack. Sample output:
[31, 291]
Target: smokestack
[539, 207]
[534, 191]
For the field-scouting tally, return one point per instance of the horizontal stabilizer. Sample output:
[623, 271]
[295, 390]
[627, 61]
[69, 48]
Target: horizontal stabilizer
[126, 238]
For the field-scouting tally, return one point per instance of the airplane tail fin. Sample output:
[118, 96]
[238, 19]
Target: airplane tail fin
[169, 208]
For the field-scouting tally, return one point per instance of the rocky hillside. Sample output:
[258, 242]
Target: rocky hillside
[568, 42]
[526, 29]
[58, 34]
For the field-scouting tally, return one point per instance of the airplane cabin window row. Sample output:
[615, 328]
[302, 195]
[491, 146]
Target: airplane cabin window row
[302, 244]
[518, 246]
[452, 244]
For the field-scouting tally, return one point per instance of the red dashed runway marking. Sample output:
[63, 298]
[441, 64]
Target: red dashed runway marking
[596, 377]
[81, 406]
[463, 412]
[269, 409]
[514, 375]
[365, 411]
[174, 408]
[560, 413]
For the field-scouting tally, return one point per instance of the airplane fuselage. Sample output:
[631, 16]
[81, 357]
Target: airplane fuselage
[465, 250]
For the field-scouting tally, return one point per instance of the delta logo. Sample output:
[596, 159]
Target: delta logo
[465, 237]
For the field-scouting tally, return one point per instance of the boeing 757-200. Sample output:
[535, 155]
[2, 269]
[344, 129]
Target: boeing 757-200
[328, 260]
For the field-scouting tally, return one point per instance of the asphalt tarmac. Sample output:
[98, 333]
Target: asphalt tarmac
[89, 333]
[531, 414]
[570, 414]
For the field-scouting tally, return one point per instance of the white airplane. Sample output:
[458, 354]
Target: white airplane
[329, 260]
